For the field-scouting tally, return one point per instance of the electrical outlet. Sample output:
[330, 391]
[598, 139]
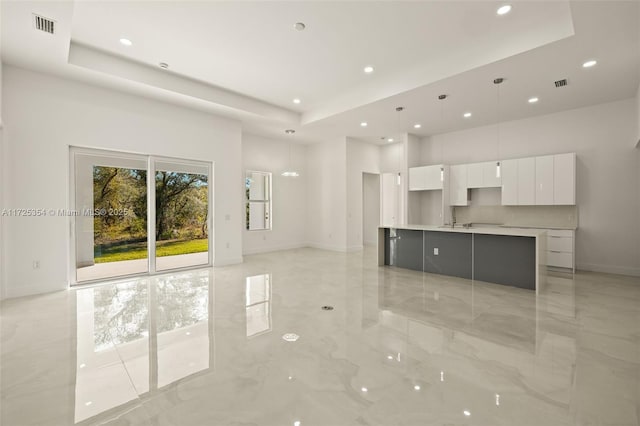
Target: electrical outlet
[36, 264]
[436, 251]
[227, 217]
[228, 245]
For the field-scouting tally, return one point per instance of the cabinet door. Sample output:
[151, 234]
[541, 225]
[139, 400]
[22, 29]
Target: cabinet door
[417, 178]
[458, 185]
[474, 175]
[564, 183]
[509, 174]
[490, 178]
[433, 177]
[527, 181]
[544, 180]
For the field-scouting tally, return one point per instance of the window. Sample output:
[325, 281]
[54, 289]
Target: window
[258, 207]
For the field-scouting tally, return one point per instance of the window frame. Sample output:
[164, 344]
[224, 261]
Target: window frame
[268, 200]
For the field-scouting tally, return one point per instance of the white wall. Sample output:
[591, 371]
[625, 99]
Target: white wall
[371, 208]
[289, 201]
[391, 157]
[327, 195]
[637, 141]
[361, 158]
[608, 237]
[43, 115]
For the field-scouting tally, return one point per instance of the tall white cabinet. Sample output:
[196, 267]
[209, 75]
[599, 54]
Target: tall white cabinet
[564, 179]
[509, 173]
[390, 200]
[544, 180]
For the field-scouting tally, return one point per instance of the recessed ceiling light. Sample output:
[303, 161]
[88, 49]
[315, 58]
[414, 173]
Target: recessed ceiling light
[296, 101]
[368, 69]
[299, 26]
[88, 403]
[466, 115]
[417, 387]
[364, 390]
[589, 63]
[390, 140]
[533, 100]
[503, 10]
[289, 131]
[417, 126]
[163, 65]
[125, 42]
[364, 124]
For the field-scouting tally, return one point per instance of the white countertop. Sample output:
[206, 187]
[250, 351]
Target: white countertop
[563, 228]
[516, 232]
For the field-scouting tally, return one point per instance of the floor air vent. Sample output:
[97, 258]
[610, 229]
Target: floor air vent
[561, 83]
[43, 24]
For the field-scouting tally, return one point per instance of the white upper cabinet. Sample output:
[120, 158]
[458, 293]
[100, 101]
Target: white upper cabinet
[426, 178]
[490, 177]
[564, 182]
[544, 180]
[509, 173]
[458, 185]
[474, 175]
[483, 175]
[526, 181]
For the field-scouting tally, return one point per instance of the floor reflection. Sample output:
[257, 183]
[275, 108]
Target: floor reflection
[258, 304]
[399, 347]
[149, 333]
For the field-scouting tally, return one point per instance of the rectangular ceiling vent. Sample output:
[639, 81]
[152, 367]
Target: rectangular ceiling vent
[44, 24]
[561, 83]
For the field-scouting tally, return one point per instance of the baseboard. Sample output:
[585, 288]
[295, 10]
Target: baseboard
[273, 248]
[329, 247]
[355, 248]
[30, 290]
[227, 261]
[609, 269]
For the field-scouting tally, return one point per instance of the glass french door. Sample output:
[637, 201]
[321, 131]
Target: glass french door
[135, 214]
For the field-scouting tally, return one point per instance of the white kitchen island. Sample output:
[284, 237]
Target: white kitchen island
[506, 256]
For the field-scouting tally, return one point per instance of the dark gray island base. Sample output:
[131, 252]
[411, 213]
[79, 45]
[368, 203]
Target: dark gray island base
[501, 256]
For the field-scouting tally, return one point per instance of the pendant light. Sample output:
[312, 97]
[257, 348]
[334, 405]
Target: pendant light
[497, 82]
[290, 172]
[442, 98]
[399, 110]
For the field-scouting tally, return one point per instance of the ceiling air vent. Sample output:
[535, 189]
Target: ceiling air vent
[561, 83]
[44, 24]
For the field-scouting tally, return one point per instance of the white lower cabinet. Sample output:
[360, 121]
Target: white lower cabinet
[561, 248]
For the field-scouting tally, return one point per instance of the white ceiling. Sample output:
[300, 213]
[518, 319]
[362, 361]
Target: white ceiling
[244, 59]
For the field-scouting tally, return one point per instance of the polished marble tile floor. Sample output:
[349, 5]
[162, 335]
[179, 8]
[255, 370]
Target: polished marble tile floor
[400, 347]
